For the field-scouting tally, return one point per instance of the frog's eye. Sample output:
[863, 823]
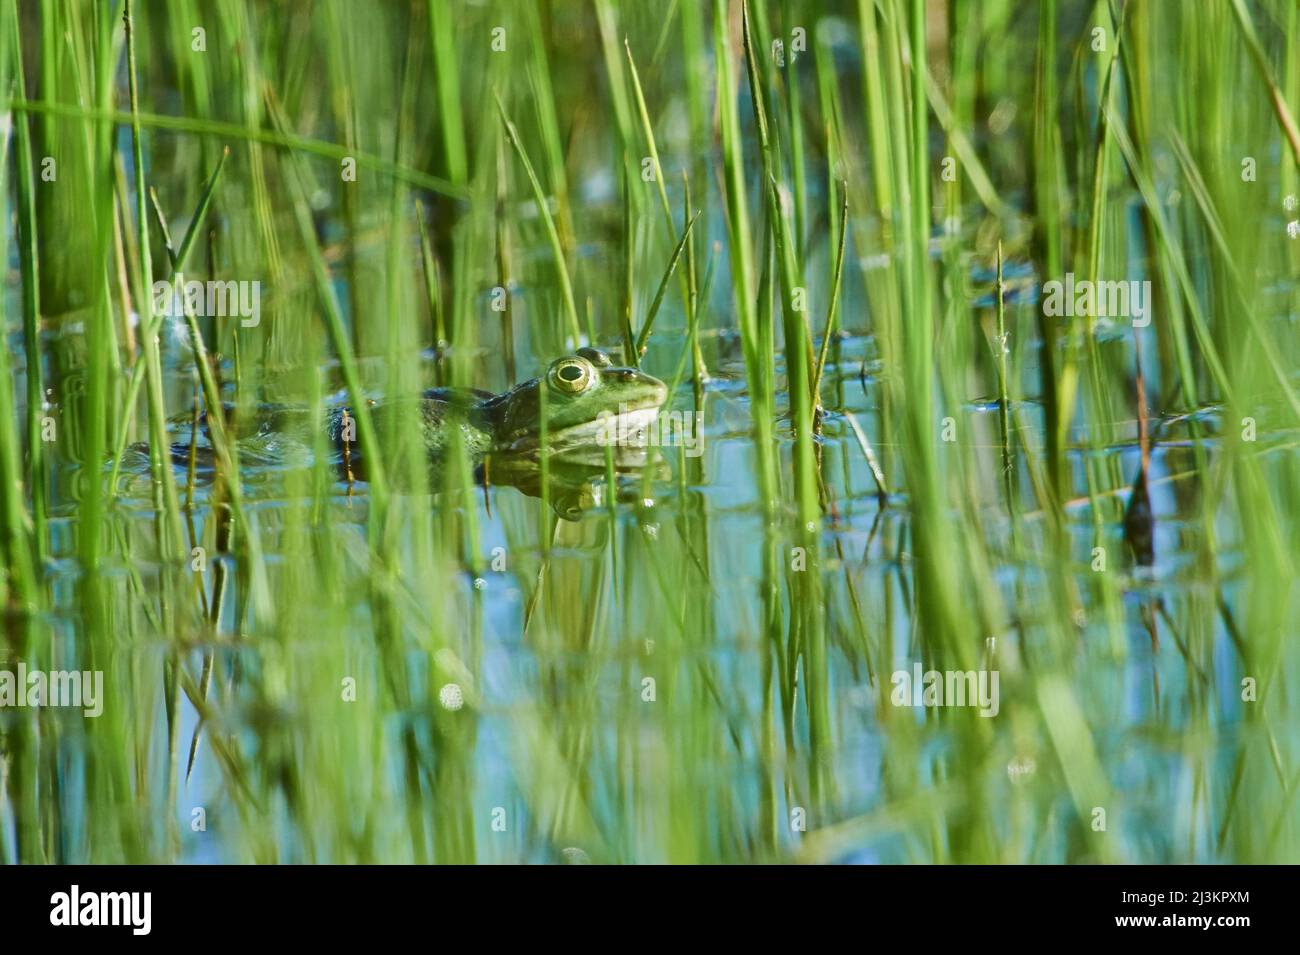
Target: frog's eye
[571, 376]
[595, 356]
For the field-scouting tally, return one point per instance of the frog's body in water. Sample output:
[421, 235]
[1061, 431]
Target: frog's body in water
[583, 394]
[584, 399]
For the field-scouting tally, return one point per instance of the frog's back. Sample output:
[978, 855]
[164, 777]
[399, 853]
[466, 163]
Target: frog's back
[442, 415]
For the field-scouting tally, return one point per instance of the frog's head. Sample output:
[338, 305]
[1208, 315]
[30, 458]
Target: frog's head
[588, 403]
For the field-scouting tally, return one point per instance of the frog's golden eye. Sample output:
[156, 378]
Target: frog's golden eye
[571, 376]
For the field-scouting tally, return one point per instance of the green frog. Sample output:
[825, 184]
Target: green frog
[586, 398]
[584, 403]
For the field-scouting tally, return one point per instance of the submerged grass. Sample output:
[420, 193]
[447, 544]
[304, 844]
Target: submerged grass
[705, 664]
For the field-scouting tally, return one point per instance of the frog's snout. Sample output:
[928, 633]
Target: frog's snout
[632, 376]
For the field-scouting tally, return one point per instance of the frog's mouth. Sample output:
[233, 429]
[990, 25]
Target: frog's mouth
[627, 432]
